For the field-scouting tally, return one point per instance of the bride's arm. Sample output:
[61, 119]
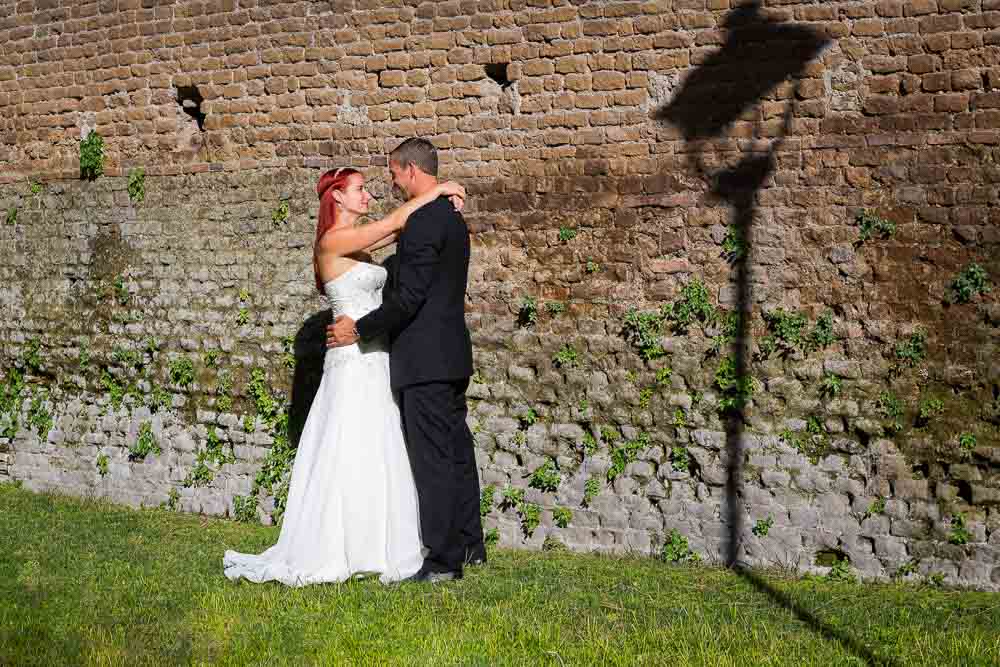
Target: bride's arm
[348, 240]
[457, 201]
[388, 240]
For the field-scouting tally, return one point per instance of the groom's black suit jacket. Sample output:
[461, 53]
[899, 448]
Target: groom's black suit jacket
[423, 311]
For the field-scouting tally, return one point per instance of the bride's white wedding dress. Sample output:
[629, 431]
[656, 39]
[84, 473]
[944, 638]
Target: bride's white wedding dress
[352, 503]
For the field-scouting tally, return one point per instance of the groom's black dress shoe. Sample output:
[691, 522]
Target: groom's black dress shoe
[433, 577]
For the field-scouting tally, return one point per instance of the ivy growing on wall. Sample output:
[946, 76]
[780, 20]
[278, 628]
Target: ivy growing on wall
[92, 156]
[272, 478]
[137, 185]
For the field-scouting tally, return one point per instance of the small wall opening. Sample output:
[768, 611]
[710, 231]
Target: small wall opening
[964, 490]
[498, 72]
[190, 99]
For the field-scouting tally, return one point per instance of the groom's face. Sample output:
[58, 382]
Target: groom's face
[402, 178]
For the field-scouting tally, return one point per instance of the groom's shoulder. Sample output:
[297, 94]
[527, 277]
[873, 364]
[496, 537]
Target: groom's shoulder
[439, 208]
[430, 210]
[436, 213]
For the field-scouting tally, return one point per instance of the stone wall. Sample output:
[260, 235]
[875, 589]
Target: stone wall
[620, 155]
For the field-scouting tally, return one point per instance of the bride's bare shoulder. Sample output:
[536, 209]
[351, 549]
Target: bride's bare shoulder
[332, 267]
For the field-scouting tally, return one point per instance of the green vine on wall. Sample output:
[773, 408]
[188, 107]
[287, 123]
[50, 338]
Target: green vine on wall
[913, 350]
[546, 477]
[102, 464]
[280, 214]
[272, 478]
[625, 454]
[644, 329]
[182, 372]
[39, 416]
[92, 156]
[212, 452]
[735, 389]
[969, 283]
[734, 245]
[11, 398]
[137, 185]
[872, 225]
[486, 499]
[530, 513]
[527, 313]
[676, 549]
[114, 389]
[591, 489]
[31, 358]
[145, 443]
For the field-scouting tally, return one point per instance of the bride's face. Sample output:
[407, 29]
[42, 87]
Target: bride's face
[354, 198]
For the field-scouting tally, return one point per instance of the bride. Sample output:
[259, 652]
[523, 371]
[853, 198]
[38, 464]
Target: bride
[352, 504]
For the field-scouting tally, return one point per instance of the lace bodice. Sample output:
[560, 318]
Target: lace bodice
[357, 291]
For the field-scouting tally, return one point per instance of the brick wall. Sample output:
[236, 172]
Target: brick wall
[581, 130]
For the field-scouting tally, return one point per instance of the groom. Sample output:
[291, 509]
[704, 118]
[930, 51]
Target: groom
[430, 364]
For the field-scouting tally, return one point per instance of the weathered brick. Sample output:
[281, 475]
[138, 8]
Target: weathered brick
[966, 80]
[608, 80]
[867, 28]
[936, 82]
[889, 8]
[919, 7]
[944, 23]
[884, 64]
[954, 102]
[923, 64]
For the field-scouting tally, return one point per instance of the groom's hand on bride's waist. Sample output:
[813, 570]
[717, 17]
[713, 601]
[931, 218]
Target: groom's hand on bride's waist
[341, 332]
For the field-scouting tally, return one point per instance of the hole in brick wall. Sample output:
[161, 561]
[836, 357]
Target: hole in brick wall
[964, 490]
[190, 99]
[498, 72]
[829, 557]
[921, 471]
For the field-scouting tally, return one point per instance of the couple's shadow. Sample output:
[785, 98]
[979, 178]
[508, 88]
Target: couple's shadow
[310, 350]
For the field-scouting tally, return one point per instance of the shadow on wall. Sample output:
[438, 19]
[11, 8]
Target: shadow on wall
[310, 349]
[757, 56]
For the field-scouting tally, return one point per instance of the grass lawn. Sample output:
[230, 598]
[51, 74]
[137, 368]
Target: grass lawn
[85, 582]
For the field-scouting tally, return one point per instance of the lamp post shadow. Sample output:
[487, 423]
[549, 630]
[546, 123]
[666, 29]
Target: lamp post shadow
[757, 56]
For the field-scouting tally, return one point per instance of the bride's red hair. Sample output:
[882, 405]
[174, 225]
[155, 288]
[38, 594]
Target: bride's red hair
[331, 181]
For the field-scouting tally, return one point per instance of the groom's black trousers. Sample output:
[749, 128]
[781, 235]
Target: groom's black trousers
[442, 457]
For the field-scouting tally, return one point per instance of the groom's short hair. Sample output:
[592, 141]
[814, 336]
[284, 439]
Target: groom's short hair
[416, 151]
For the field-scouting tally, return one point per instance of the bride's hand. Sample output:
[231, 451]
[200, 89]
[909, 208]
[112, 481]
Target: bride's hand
[451, 189]
[454, 192]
